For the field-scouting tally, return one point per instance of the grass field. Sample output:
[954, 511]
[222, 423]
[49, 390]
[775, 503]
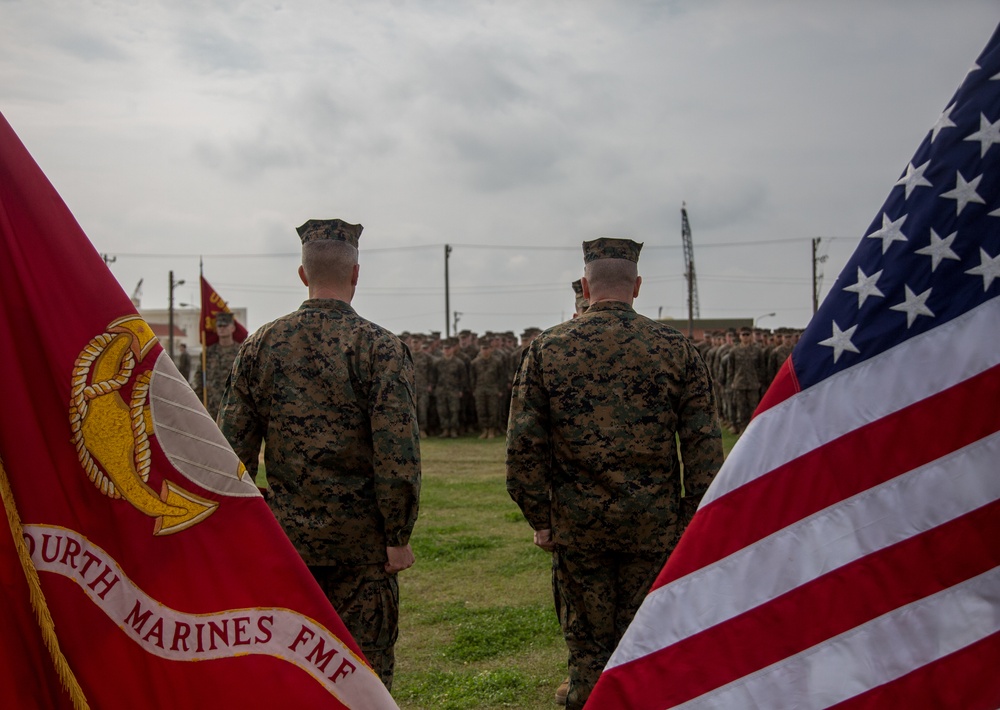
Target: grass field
[477, 625]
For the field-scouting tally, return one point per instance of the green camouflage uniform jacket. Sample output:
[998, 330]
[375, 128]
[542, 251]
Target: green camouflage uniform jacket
[331, 396]
[423, 371]
[591, 449]
[487, 373]
[744, 367]
[452, 375]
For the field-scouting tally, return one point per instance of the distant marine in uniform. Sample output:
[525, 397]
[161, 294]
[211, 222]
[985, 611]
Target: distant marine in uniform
[184, 363]
[580, 303]
[452, 380]
[218, 358]
[744, 379]
[487, 373]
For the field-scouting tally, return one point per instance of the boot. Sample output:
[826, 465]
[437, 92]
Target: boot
[483, 435]
[561, 692]
[454, 433]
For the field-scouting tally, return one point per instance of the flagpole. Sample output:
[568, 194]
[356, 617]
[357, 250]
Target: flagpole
[201, 333]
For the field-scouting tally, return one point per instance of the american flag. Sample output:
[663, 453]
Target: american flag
[848, 553]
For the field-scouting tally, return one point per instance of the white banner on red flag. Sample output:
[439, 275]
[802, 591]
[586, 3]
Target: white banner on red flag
[848, 553]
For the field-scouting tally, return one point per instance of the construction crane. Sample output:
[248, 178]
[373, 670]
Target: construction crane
[692, 281]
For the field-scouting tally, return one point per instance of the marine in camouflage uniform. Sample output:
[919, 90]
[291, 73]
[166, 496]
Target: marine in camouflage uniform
[723, 373]
[330, 394]
[592, 460]
[423, 380]
[580, 303]
[782, 351]
[487, 375]
[218, 359]
[452, 382]
[184, 363]
[468, 349]
[744, 379]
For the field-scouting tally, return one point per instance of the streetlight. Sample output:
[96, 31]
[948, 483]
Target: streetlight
[170, 319]
[758, 319]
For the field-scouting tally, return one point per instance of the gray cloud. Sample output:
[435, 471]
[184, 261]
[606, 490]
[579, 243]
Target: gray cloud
[217, 127]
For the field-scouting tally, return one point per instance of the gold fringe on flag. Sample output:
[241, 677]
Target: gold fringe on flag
[42, 614]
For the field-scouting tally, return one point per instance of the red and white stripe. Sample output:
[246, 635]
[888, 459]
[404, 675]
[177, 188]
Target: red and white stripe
[847, 554]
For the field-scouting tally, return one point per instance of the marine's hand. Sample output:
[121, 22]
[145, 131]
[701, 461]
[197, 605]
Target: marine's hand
[400, 558]
[543, 538]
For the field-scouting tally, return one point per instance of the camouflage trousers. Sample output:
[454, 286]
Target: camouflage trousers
[423, 409]
[487, 409]
[596, 596]
[449, 408]
[367, 599]
[744, 404]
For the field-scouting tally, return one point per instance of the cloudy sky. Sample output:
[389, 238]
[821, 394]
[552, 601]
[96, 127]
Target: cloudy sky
[512, 131]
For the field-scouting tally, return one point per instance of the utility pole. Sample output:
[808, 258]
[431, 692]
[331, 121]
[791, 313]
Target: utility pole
[447, 299]
[816, 260]
[689, 270]
[170, 317]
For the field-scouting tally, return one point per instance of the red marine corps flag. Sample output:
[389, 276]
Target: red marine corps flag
[848, 553]
[139, 566]
[211, 304]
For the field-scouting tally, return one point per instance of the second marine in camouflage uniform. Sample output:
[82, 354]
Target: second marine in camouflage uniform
[487, 375]
[744, 379]
[331, 396]
[219, 359]
[452, 382]
[592, 460]
[423, 380]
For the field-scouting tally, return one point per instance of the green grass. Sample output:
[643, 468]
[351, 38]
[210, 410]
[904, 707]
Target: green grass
[477, 625]
[461, 690]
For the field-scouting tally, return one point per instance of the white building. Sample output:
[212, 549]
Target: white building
[186, 322]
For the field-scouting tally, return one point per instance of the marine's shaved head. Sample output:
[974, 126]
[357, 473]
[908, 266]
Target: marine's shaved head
[329, 262]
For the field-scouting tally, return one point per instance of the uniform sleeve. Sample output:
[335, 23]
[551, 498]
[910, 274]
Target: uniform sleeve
[699, 435]
[240, 419]
[529, 453]
[395, 440]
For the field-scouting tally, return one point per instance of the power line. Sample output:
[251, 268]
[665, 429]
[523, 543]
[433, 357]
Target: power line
[496, 247]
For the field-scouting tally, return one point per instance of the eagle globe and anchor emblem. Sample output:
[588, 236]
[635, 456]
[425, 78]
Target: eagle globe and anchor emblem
[114, 410]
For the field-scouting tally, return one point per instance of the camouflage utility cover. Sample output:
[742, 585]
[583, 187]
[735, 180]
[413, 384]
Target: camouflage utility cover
[591, 452]
[331, 396]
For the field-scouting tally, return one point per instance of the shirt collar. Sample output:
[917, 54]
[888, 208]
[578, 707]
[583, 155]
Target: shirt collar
[326, 304]
[610, 306]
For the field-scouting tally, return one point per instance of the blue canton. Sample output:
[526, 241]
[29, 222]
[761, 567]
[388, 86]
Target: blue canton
[933, 251]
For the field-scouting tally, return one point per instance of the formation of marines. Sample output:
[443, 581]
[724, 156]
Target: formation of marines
[463, 383]
[743, 363]
[460, 390]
